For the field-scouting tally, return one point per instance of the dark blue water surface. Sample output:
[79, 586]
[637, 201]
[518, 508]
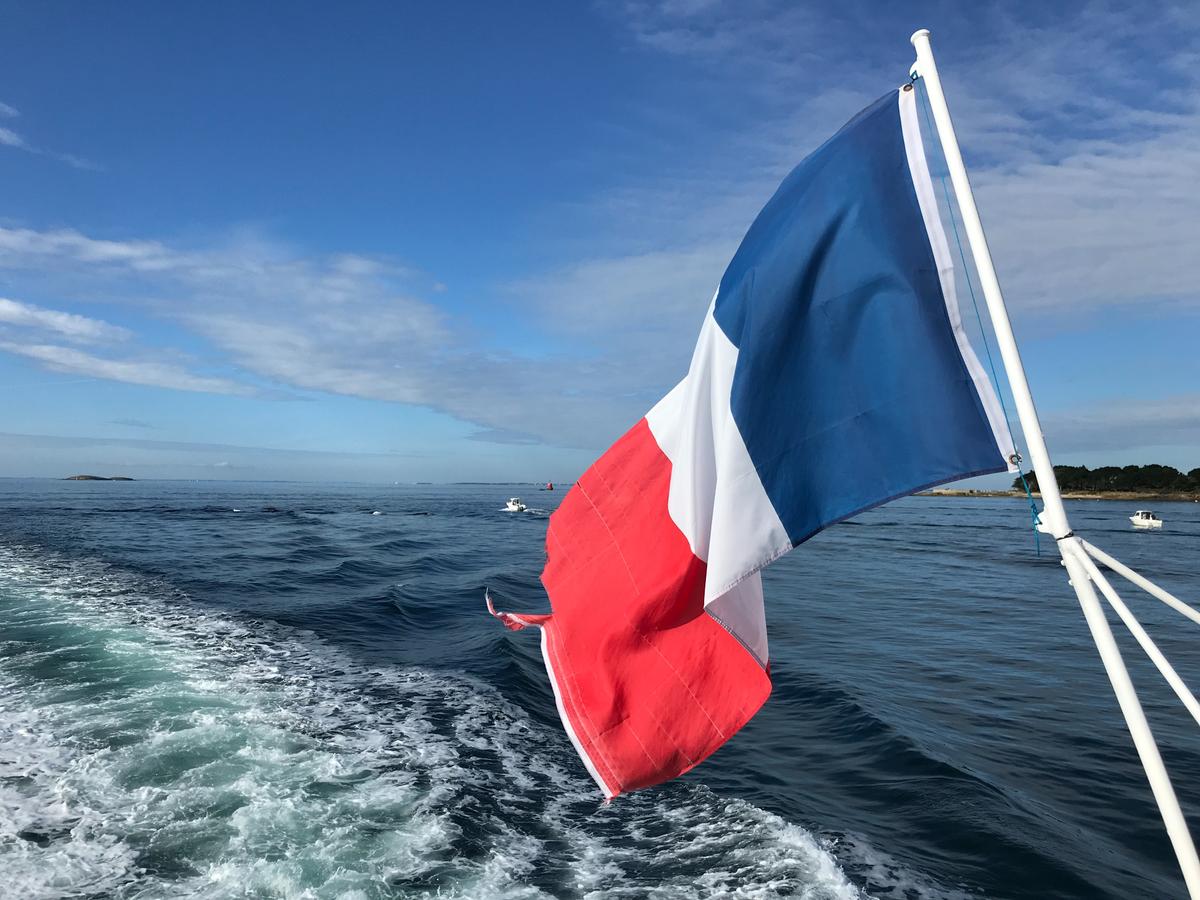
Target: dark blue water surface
[268, 690]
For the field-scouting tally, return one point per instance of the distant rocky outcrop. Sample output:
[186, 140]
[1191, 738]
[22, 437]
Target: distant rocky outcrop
[97, 478]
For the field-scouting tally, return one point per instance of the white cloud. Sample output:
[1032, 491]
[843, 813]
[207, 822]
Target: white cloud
[28, 330]
[657, 291]
[1128, 423]
[68, 325]
[10, 138]
[153, 374]
[1109, 225]
[342, 324]
[773, 43]
[27, 248]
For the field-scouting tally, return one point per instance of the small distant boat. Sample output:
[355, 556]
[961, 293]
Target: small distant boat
[549, 486]
[1144, 518]
[514, 504]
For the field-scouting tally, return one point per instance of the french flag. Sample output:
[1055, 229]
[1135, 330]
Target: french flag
[831, 375]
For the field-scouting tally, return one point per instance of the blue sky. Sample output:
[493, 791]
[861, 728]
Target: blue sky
[475, 241]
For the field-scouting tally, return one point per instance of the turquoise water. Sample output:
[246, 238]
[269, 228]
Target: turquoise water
[265, 690]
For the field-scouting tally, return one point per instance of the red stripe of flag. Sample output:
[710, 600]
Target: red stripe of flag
[647, 682]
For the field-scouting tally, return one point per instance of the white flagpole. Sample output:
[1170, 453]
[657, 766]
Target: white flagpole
[1055, 514]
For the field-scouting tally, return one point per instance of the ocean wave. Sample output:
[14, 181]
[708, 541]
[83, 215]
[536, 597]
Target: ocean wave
[150, 747]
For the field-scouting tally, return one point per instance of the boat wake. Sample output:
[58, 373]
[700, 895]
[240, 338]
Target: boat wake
[153, 748]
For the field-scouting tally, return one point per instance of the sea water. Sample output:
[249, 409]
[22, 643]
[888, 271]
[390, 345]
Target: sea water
[218, 690]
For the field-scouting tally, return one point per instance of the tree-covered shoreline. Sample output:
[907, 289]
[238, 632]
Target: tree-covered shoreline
[1119, 479]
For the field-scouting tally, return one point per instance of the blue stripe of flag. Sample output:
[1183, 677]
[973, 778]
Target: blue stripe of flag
[850, 389]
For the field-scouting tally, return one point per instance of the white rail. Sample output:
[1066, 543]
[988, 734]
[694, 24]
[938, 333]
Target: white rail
[1135, 628]
[1054, 514]
[1144, 583]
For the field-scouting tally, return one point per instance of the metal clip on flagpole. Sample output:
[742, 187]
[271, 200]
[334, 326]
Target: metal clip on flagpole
[1077, 555]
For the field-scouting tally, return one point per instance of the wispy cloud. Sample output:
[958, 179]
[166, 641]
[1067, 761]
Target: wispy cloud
[1128, 423]
[502, 436]
[67, 325]
[661, 291]
[144, 372]
[10, 138]
[774, 43]
[27, 248]
[33, 331]
[342, 324]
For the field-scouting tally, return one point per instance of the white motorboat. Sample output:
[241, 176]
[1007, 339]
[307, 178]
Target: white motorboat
[1144, 518]
[514, 504]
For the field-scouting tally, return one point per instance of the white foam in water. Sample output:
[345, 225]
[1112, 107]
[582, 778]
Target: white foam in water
[889, 877]
[149, 748]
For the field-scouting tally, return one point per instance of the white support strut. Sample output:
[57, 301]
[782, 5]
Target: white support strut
[1144, 583]
[1186, 697]
[1054, 513]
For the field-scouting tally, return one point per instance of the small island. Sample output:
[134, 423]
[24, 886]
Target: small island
[1152, 482]
[97, 478]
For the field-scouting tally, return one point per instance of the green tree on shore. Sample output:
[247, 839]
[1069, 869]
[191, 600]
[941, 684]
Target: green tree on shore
[1166, 479]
